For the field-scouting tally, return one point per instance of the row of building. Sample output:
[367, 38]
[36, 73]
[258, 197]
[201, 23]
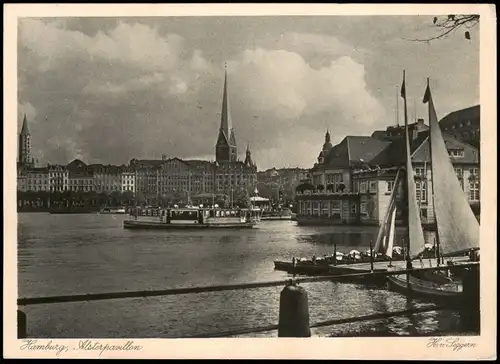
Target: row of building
[353, 180]
[150, 177]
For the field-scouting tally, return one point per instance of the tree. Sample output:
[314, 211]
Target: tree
[450, 23]
[241, 198]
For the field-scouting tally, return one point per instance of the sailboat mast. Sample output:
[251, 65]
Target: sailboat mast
[397, 106]
[409, 171]
[438, 252]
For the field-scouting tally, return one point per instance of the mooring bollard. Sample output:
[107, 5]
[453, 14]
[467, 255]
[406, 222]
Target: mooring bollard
[21, 324]
[294, 312]
[470, 315]
[371, 256]
[334, 254]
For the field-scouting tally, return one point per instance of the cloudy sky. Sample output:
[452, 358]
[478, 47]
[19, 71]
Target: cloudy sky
[110, 89]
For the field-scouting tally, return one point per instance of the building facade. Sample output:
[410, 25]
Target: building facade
[376, 183]
[107, 178]
[330, 195]
[58, 178]
[37, 179]
[127, 180]
[80, 177]
[464, 125]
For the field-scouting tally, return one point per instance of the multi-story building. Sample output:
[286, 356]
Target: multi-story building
[331, 195]
[80, 177]
[21, 182]
[464, 125]
[375, 184]
[127, 180]
[58, 178]
[37, 179]
[285, 180]
[107, 178]
[185, 178]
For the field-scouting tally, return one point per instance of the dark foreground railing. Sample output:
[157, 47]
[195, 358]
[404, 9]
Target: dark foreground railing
[294, 310]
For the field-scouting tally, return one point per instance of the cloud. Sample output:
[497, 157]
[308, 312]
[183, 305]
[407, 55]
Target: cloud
[111, 90]
[290, 101]
[25, 108]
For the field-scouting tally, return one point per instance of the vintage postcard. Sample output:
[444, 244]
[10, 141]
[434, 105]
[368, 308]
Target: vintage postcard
[250, 181]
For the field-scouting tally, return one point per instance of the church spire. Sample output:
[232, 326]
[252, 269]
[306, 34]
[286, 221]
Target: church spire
[226, 123]
[226, 141]
[25, 130]
[248, 157]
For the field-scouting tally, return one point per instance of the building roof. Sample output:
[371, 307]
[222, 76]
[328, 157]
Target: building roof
[354, 150]
[472, 113]
[394, 154]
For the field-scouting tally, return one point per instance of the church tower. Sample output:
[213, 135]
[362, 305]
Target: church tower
[248, 158]
[25, 145]
[225, 149]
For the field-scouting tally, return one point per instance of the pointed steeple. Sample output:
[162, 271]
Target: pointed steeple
[327, 136]
[248, 159]
[226, 124]
[25, 130]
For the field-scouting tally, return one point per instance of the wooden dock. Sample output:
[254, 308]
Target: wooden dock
[382, 266]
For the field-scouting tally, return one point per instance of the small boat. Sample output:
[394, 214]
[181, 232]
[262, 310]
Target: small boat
[193, 218]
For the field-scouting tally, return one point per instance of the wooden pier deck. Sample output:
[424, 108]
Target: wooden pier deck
[382, 266]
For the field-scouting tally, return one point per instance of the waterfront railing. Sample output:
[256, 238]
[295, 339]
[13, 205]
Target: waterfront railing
[294, 308]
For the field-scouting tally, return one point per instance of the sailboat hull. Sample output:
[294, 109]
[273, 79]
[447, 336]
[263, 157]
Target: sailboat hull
[425, 289]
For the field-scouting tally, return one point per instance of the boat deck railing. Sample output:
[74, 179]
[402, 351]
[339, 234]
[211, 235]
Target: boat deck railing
[22, 318]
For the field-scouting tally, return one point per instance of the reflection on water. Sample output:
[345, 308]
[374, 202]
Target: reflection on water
[77, 254]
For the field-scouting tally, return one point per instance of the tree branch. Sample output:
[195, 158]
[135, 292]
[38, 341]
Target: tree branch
[450, 24]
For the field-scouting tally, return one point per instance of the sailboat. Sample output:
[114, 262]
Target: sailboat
[457, 230]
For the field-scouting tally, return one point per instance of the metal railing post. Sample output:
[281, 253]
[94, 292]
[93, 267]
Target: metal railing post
[21, 324]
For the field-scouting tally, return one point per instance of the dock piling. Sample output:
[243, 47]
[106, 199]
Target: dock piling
[21, 324]
[294, 312]
[470, 317]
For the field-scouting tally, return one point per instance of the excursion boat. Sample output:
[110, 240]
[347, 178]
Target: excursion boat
[113, 210]
[457, 229]
[194, 218]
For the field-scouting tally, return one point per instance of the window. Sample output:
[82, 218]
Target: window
[459, 172]
[373, 186]
[419, 171]
[363, 208]
[474, 190]
[362, 187]
[423, 213]
[390, 186]
[474, 171]
[421, 191]
[456, 152]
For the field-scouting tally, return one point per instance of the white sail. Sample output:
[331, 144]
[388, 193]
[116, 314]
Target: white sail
[379, 243]
[415, 232]
[457, 227]
[390, 236]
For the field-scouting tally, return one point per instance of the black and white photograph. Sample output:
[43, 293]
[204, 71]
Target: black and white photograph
[251, 176]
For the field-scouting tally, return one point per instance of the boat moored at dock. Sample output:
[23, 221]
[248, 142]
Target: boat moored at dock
[193, 218]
